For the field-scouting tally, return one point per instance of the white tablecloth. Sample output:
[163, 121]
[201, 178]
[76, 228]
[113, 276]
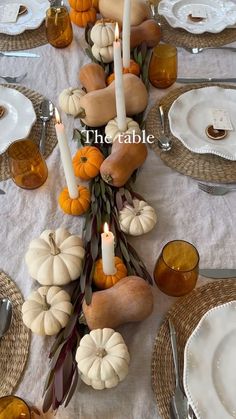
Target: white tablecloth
[183, 212]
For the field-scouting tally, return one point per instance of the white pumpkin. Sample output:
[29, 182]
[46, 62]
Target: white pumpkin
[112, 131]
[104, 54]
[103, 358]
[69, 101]
[55, 258]
[47, 310]
[103, 34]
[137, 220]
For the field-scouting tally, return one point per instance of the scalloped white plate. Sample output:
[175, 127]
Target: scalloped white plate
[31, 20]
[190, 114]
[18, 119]
[209, 364]
[219, 14]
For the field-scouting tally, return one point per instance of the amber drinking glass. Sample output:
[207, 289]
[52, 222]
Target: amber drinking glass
[12, 407]
[176, 270]
[163, 66]
[27, 166]
[58, 27]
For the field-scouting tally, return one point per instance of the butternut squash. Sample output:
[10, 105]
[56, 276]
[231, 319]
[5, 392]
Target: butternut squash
[129, 300]
[92, 77]
[148, 31]
[125, 157]
[99, 106]
[140, 10]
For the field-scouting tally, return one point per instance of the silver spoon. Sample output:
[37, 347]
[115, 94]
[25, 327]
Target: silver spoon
[179, 402]
[198, 50]
[46, 113]
[5, 315]
[164, 142]
[16, 79]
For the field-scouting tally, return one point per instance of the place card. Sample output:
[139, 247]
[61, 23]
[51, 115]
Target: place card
[221, 120]
[9, 13]
[199, 12]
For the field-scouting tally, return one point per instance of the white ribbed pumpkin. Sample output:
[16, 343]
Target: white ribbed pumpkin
[104, 54]
[103, 358]
[103, 34]
[137, 220]
[55, 258]
[69, 101]
[112, 131]
[47, 310]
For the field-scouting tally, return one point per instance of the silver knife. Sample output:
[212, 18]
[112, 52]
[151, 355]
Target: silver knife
[18, 54]
[212, 80]
[218, 273]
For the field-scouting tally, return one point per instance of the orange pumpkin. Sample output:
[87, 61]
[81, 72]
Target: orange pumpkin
[133, 69]
[95, 4]
[80, 5]
[77, 206]
[103, 281]
[83, 18]
[87, 162]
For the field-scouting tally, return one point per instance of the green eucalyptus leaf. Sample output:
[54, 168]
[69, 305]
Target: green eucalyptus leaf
[124, 251]
[73, 386]
[108, 206]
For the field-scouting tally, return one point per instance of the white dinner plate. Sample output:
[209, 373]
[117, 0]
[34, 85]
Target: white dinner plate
[209, 364]
[218, 14]
[18, 118]
[191, 113]
[31, 20]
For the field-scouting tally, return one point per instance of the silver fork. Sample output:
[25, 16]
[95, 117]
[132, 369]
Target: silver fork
[198, 50]
[215, 189]
[164, 143]
[16, 79]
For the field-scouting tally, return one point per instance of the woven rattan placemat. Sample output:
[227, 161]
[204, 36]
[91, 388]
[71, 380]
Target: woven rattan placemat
[182, 38]
[51, 139]
[206, 167]
[26, 40]
[186, 314]
[14, 346]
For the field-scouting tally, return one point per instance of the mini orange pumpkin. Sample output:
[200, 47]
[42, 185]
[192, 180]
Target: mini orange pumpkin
[133, 68]
[77, 206]
[103, 281]
[95, 4]
[87, 162]
[83, 18]
[81, 5]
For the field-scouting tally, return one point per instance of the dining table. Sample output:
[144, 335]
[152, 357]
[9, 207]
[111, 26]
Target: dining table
[183, 212]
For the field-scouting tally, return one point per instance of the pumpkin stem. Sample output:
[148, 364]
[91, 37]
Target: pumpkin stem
[54, 249]
[83, 159]
[107, 178]
[101, 352]
[82, 114]
[46, 306]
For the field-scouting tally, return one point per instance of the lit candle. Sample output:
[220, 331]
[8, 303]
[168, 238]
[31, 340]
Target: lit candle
[66, 158]
[119, 86]
[108, 252]
[126, 33]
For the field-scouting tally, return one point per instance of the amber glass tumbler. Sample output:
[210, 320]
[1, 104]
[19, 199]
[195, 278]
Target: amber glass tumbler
[12, 407]
[163, 66]
[176, 270]
[27, 166]
[58, 27]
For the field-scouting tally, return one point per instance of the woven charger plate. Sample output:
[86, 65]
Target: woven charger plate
[186, 314]
[182, 38]
[14, 346]
[206, 167]
[51, 138]
[26, 40]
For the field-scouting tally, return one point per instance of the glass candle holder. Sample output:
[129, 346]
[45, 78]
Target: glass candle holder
[58, 27]
[176, 270]
[12, 407]
[27, 165]
[163, 66]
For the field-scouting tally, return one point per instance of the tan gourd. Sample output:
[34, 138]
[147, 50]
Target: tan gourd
[148, 31]
[124, 159]
[99, 107]
[92, 77]
[140, 10]
[129, 300]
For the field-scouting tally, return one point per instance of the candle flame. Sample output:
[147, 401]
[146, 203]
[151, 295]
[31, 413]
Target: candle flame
[117, 34]
[57, 116]
[106, 228]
